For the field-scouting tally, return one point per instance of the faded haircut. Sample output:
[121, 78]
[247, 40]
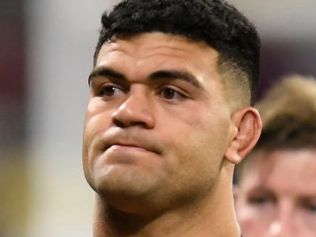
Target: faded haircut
[215, 22]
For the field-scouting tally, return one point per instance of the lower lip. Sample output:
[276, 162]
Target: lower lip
[127, 148]
[122, 154]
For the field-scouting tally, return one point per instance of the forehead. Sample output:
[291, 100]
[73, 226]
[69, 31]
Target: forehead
[159, 47]
[283, 171]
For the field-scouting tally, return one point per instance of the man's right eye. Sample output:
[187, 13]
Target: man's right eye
[260, 200]
[110, 91]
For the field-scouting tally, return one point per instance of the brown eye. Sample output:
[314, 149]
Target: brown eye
[170, 93]
[258, 200]
[261, 199]
[110, 91]
[309, 206]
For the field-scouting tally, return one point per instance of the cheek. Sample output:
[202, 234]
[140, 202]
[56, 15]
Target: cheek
[252, 223]
[96, 123]
[97, 119]
[197, 140]
[307, 223]
[254, 220]
[210, 134]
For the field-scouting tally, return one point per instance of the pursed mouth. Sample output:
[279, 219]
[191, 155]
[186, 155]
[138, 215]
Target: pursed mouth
[132, 139]
[130, 146]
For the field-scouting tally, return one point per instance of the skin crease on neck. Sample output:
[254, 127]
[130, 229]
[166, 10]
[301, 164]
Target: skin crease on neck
[154, 101]
[277, 194]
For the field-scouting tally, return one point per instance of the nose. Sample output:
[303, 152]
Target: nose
[283, 224]
[135, 110]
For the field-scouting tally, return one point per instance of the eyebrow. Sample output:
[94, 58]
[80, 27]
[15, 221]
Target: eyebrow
[105, 72]
[158, 75]
[174, 75]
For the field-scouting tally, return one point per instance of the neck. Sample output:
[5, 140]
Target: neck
[211, 216]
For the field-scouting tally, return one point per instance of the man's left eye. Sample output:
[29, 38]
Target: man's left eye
[171, 94]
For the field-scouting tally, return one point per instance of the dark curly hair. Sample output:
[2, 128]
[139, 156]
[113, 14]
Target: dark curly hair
[214, 22]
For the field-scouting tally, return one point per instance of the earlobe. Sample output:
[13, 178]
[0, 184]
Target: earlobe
[248, 125]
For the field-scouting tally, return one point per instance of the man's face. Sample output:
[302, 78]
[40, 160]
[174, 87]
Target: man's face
[277, 195]
[157, 123]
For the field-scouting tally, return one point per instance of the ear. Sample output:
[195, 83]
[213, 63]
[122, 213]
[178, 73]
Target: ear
[247, 126]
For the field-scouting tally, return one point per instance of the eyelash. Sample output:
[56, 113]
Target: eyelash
[105, 88]
[310, 208]
[260, 200]
[264, 200]
[110, 90]
[176, 94]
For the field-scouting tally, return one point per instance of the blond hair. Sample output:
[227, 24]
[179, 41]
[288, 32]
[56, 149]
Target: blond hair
[288, 113]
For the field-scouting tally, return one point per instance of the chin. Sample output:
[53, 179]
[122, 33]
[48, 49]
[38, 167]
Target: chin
[134, 195]
[125, 181]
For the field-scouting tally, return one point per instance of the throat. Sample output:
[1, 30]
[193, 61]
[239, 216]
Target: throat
[125, 224]
[111, 222]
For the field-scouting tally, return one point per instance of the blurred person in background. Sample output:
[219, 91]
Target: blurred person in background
[276, 193]
[169, 116]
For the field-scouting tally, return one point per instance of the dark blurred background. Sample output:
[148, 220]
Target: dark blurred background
[46, 49]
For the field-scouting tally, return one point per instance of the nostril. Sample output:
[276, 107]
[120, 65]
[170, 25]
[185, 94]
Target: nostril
[117, 119]
[118, 123]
